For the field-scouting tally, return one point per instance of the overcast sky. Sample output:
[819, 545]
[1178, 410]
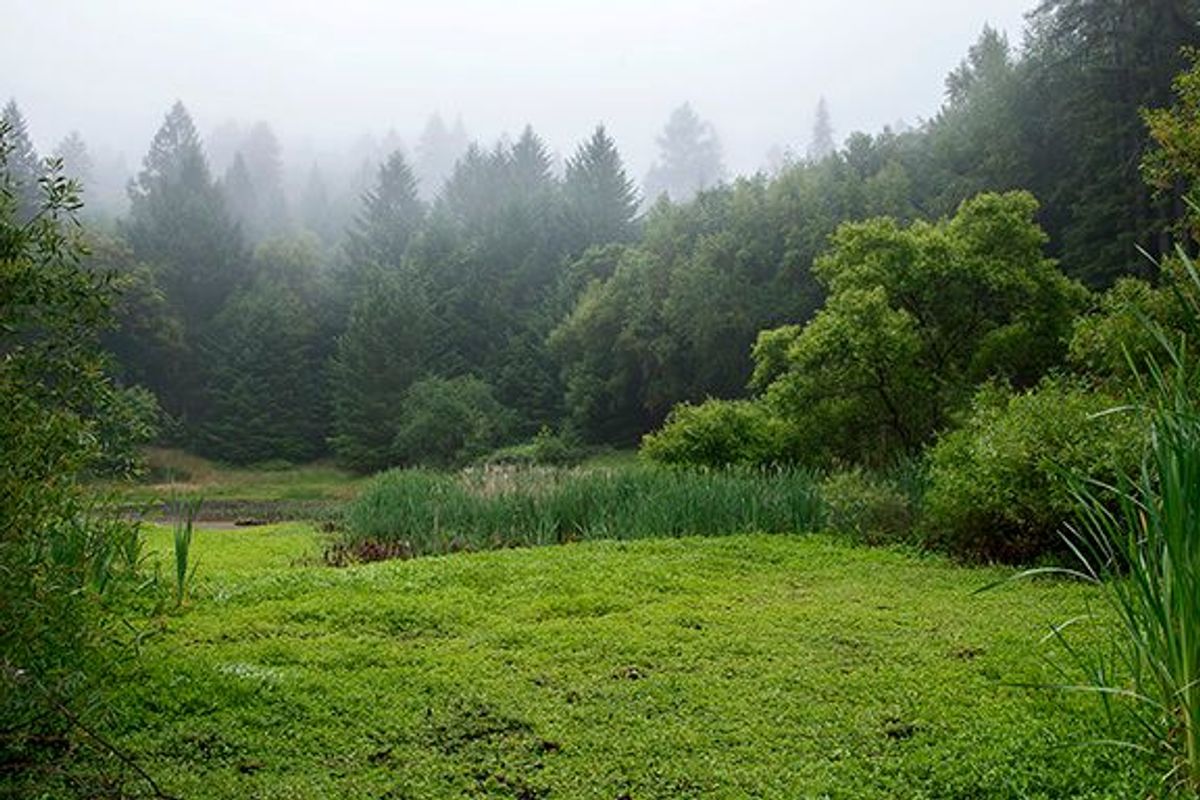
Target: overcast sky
[323, 73]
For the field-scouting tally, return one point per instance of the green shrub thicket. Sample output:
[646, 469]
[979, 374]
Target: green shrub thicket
[999, 485]
[60, 418]
[721, 433]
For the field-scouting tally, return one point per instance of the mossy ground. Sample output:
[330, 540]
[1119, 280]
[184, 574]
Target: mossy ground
[746, 666]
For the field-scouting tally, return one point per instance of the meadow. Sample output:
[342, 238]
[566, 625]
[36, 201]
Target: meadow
[772, 666]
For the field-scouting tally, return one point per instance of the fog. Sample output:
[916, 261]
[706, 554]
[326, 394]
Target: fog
[326, 75]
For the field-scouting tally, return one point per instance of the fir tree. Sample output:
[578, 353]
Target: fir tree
[23, 165]
[601, 201]
[689, 158]
[240, 196]
[822, 145]
[77, 162]
[264, 164]
[391, 214]
[262, 379]
[385, 349]
[178, 223]
[438, 150]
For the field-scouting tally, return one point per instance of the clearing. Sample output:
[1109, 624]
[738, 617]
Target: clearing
[745, 666]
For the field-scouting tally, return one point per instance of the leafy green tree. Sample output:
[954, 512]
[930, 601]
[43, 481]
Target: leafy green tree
[689, 158]
[450, 422]
[673, 318]
[385, 348]
[601, 202]
[916, 317]
[55, 398]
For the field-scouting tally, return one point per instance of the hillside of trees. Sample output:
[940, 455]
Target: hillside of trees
[485, 287]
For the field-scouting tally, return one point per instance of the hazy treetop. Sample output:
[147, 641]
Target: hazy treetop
[322, 73]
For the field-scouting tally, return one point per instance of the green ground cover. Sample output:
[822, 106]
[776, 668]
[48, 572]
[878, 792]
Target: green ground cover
[741, 666]
[173, 472]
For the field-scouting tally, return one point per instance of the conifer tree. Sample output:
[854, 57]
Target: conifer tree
[264, 164]
[391, 214]
[262, 379]
[77, 162]
[240, 197]
[438, 150]
[316, 209]
[385, 349]
[689, 158]
[23, 166]
[601, 201]
[822, 145]
[178, 223]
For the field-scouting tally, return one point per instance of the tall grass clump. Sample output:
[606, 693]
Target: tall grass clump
[1144, 551]
[185, 510]
[483, 508]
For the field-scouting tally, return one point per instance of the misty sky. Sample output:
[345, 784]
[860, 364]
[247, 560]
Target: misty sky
[324, 73]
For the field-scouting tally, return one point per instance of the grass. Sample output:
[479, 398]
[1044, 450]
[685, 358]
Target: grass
[478, 509]
[740, 666]
[173, 472]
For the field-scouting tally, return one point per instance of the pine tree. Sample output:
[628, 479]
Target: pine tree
[822, 145]
[240, 196]
[1091, 66]
[77, 162]
[438, 150]
[264, 164]
[178, 222]
[316, 210]
[391, 214]
[529, 165]
[262, 385]
[23, 165]
[689, 158]
[385, 348]
[601, 202]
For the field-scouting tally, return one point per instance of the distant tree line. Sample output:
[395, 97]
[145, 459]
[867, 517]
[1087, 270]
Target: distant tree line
[490, 286]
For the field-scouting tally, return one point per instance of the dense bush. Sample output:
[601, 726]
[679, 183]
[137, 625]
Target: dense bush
[493, 507]
[998, 486]
[866, 506]
[447, 422]
[546, 449]
[60, 416]
[720, 433]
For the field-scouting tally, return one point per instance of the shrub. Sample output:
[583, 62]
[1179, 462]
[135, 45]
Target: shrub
[448, 422]
[867, 507]
[720, 433]
[998, 486]
[546, 449]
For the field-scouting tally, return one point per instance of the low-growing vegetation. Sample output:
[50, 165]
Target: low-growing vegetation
[504, 507]
[760, 666]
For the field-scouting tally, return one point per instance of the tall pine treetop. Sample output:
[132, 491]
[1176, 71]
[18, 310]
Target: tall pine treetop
[689, 157]
[392, 212]
[601, 199]
[24, 166]
[822, 145]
